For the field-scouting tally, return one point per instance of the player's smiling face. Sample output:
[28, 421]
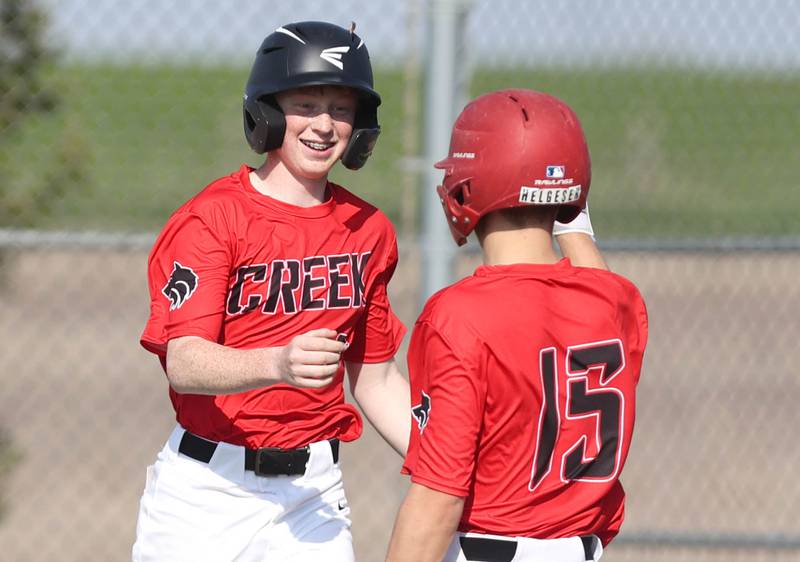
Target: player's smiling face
[319, 122]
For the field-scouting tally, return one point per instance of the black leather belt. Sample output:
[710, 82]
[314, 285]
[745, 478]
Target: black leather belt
[266, 461]
[482, 549]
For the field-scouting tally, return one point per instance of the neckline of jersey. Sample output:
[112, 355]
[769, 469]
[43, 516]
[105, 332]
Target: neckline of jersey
[558, 269]
[317, 211]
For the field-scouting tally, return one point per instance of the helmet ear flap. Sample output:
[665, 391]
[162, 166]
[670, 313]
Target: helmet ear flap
[364, 136]
[462, 193]
[461, 217]
[359, 147]
[264, 123]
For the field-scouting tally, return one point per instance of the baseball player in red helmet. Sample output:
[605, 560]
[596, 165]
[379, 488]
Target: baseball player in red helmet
[266, 287]
[523, 375]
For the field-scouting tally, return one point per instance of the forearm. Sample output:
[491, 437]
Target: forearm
[198, 366]
[581, 250]
[385, 399]
[425, 525]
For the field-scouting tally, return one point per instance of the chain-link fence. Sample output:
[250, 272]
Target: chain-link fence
[113, 113]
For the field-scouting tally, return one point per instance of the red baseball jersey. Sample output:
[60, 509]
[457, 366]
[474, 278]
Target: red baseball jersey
[242, 269]
[523, 383]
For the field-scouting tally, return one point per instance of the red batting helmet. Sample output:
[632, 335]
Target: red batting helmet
[513, 148]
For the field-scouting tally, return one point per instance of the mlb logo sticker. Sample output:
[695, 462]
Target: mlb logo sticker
[555, 171]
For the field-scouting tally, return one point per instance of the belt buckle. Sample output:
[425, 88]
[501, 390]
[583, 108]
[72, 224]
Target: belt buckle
[272, 461]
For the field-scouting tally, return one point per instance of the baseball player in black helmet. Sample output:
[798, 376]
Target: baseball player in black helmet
[266, 288]
[310, 54]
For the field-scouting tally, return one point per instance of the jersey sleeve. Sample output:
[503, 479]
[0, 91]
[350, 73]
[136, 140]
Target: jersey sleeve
[378, 332]
[642, 326]
[188, 275]
[635, 326]
[448, 396]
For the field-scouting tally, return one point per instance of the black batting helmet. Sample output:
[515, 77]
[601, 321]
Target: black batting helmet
[310, 53]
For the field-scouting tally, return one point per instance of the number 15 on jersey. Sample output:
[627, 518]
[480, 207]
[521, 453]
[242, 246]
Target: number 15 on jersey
[581, 428]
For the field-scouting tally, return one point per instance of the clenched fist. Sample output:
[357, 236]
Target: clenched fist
[312, 359]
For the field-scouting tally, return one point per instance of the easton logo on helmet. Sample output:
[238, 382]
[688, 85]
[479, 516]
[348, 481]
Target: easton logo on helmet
[333, 55]
[181, 285]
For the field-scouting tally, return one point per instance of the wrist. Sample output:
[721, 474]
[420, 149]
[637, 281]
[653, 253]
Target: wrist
[269, 365]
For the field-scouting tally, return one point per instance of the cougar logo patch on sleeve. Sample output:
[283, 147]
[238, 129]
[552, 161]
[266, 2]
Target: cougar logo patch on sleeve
[180, 286]
[421, 411]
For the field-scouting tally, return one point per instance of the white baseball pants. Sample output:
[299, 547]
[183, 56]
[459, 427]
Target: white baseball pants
[218, 511]
[494, 548]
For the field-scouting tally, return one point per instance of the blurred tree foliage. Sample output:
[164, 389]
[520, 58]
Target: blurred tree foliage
[21, 94]
[27, 196]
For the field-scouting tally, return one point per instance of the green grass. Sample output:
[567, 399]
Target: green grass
[680, 153]
[674, 152]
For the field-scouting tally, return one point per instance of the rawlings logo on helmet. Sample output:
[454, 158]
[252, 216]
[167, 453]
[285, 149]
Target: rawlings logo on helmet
[181, 286]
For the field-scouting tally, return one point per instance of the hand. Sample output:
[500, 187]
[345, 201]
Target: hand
[580, 224]
[312, 359]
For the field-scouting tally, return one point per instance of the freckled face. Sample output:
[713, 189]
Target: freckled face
[319, 122]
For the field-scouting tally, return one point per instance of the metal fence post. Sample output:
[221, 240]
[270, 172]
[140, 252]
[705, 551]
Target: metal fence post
[445, 93]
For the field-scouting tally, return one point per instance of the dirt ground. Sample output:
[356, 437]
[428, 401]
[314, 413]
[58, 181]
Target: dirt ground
[87, 408]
